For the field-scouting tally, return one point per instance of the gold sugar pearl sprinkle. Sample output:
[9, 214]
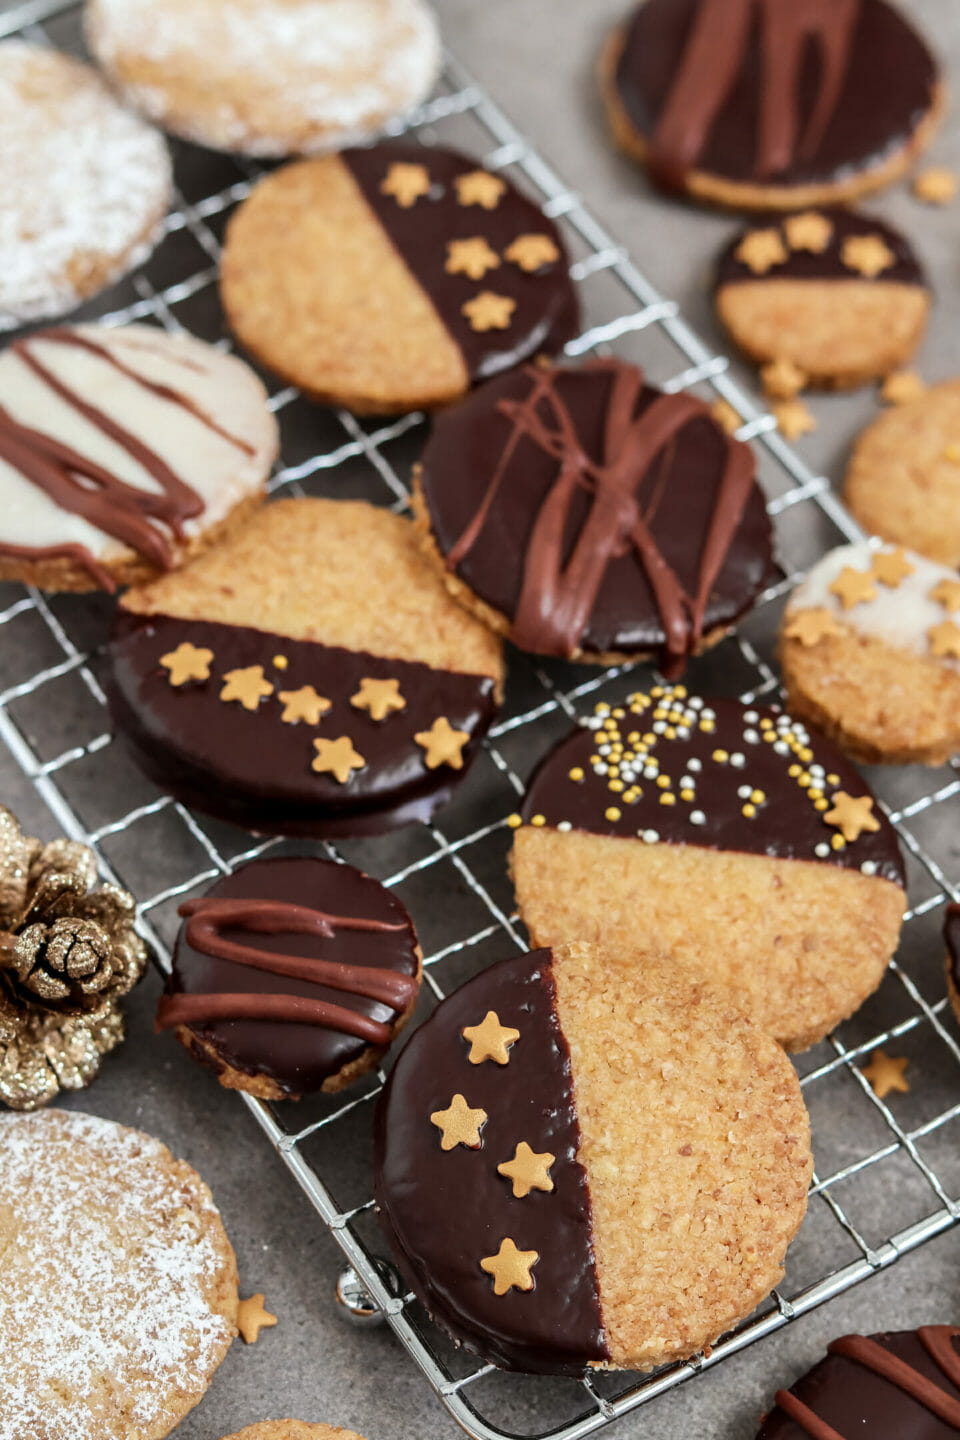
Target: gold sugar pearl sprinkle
[280, 662]
[514, 821]
[538, 820]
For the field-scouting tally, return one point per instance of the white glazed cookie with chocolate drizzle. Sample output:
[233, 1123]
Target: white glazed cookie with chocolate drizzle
[123, 452]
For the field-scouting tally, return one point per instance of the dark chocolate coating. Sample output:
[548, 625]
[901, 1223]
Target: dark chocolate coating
[676, 495]
[299, 1058]
[443, 1211]
[951, 934]
[887, 90]
[547, 312]
[828, 265]
[786, 824]
[252, 768]
[856, 1402]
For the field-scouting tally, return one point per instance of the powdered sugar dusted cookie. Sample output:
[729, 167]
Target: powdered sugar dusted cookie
[122, 452]
[726, 838]
[579, 1166]
[85, 184]
[268, 77]
[120, 1286]
[870, 649]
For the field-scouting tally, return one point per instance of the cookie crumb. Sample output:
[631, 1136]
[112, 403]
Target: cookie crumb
[885, 1073]
[936, 186]
[902, 386]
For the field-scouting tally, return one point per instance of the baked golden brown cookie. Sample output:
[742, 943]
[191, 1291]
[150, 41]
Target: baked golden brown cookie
[583, 1165]
[870, 650]
[292, 1430]
[394, 277]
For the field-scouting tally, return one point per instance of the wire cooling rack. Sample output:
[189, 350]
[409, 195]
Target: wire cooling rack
[888, 1176]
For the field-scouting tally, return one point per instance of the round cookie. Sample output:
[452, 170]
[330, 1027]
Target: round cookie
[720, 98]
[951, 936]
[85, 184]
[290, 976]
[308, 676]
[583, 513]
[837, 294]
[903, 480]
[123, 452]
[898, 1385]
[292, 1430]
[394, 277]
[730, 840]
[578, 1168]
[120, 1286]
[268, 77]
[871, 655]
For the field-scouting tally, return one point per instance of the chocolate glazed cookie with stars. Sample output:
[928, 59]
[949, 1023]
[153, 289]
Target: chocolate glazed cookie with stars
[584, 514]
[580, 1170]
[761, 104]
[395, 277]
[308, 677]
[725, 838]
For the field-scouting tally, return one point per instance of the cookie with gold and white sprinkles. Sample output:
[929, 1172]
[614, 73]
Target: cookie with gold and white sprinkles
[725, 837]
[870, 649]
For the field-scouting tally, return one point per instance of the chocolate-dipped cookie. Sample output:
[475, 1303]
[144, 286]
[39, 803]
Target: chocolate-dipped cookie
[760, 104]
[898, 1385]
[836, 294]
[726, 838]
[951, 937]
[394, 277]
[579, 1169]
[291, 975]
[309, 676]
[585, 514]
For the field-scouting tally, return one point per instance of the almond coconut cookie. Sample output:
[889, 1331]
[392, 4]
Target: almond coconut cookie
[123, 451]
[725, 838]
[583, 1168]
[268, 77]
[870, 650]
[120, 1286]
[85, 184]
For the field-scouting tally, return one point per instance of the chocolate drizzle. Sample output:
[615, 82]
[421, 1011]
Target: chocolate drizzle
[951, 934]
[828, 263]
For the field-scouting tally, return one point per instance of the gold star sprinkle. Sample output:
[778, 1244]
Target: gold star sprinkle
[892, 567]
[252, 1318]
[809, 231]
[725, 416]
[867, 254]
[187, 662]
[530, 252]
[470, 257]
[947, 594]
[406, 183]
[443, 744]
[458, 1124]
[379, 697]
[783, 379]
[851, 817]
[936, 186]
[487, 311]
[490, 1040]
[337, 758]
[528, 1170]
[853, 587]
[510, 1267]
[945, 640]
[247, 685]
[901, 387]
[886, 1073]
[303, 704]
[479, 187]
[810, 626]
[793, 419]
[761, 250]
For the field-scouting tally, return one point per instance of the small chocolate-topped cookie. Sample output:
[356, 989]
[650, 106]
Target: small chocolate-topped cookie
[951, 936]
[763, 105]
[291, 975]
[585, 514]
[731, 838]
[837, 294]
[417, 272]
[579, 1169]
[898, 1385]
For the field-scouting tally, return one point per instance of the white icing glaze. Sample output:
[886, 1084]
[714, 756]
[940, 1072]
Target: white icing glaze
[222, 387]
[900, 615]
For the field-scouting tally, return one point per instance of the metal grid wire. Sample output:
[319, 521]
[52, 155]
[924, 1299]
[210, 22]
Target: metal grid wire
[338, 454]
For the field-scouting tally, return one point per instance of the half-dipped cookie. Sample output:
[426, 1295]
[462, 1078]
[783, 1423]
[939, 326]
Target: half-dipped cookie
[951, 936]
[309, 676]
[585, 514]
[291, 975]
[579, 1169]
[725, 838]
[394, 277]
